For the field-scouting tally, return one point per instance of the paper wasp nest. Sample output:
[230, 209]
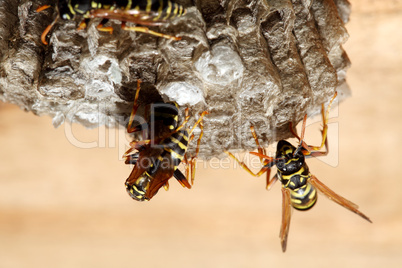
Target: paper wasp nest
[259, 62]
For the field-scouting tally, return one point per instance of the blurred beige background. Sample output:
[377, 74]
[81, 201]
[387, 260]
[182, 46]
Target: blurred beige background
[65, 206]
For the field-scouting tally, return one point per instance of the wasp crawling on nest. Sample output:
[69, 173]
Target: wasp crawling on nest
[299, 186]
[163, 148]
[142, 12]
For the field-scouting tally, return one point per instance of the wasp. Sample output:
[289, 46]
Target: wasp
[299, 186]
[158, 156]
[142, 12]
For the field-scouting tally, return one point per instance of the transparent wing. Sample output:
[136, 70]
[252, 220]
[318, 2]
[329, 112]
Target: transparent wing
[336, 198]
[286, 213]
[149, 18]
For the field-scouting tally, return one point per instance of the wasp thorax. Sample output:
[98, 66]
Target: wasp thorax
[138, 190]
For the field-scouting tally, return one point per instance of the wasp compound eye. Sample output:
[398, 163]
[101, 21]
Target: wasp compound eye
[139, 189]
[280, 164]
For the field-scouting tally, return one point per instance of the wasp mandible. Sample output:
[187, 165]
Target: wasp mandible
[142, 12]
[158, 156]
[299, 186]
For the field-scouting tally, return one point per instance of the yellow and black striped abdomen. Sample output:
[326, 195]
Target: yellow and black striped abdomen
[176, 146]
[163, 9]
[303, 198]
[166, 9]
[174, 149]
[167, 113]
[303, 195]
[83, 6]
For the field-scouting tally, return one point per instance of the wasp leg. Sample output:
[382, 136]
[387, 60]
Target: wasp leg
[293, 130]
[189, 164]
[132, 159]
[83, 24]
[181, 179]
[263, 160]
[186, 166]
[141, 29]
[336, 198]
[166, 186]
[47, 30]
[286, 213]
[136, 145]
[271, 182]
[41, 8]
[127, 153]
[321, 153]
[315, 150]
[310, 150]
[198, 121]
[268, 164]
[325, 115]
[267, 161]
[186, 118]
[246, 168]
[140, 127]
[130, 128]
[102, 28]
[259, 148]
[194, 158]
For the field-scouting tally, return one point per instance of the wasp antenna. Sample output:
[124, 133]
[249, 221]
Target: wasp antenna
[47, 30]
[298, 149]
[41, 8]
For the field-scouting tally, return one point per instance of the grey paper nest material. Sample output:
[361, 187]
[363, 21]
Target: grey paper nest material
[259, 62]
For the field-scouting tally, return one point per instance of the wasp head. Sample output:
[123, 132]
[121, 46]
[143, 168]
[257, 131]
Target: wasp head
[289, 158]
[139, 189]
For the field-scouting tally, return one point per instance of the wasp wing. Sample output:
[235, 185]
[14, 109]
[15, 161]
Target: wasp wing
[149, 18]
[336, 198]
[157, 183]
[286, 213]
[165, 169]
[181, 178]
[143, 160]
